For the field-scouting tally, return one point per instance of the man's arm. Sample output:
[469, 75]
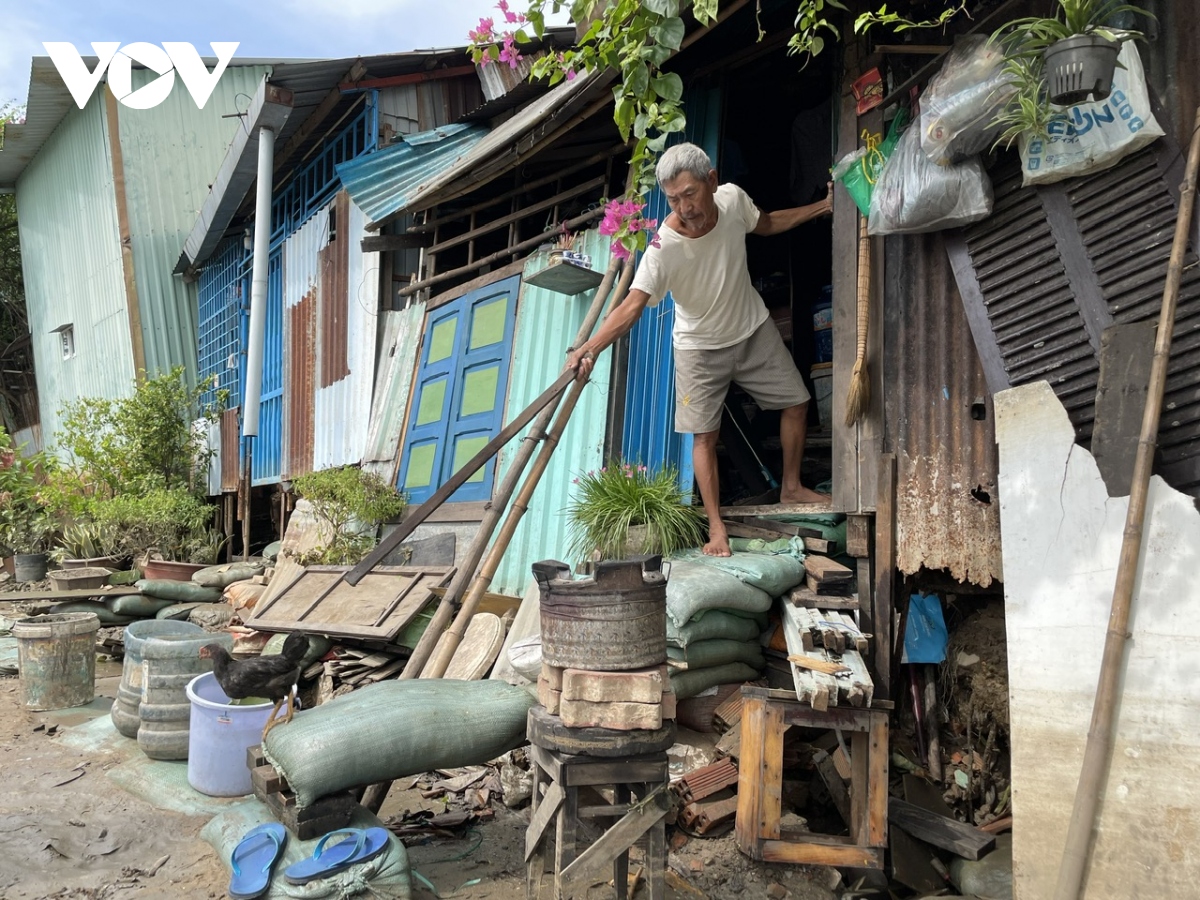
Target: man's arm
[617, 324]
[786, 219]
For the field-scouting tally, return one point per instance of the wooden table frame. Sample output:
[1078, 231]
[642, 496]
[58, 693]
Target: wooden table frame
[764, 721]
[557, 778]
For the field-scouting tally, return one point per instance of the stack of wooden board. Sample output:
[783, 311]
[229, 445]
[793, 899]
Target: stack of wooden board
[825, 652]
[824, 576]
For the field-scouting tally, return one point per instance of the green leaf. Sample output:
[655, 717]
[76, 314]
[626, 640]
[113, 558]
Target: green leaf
[538, 21]
[818, 44]
[669, 32]
[665, 8]
[657, 144]
[655, 54]
[623, 115]
[669, 86]
[637, 78]
[639, 125]
[705, 11]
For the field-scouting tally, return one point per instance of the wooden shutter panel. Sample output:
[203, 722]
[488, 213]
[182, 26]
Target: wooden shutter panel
[1054, 266]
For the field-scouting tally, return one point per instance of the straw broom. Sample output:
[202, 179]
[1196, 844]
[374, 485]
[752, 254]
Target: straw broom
[859, 398]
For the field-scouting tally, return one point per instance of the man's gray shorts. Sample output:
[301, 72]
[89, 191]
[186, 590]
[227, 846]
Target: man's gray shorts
[761, 365]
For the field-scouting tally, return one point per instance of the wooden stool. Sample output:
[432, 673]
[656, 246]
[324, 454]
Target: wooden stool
[765, 718]
[639, 807]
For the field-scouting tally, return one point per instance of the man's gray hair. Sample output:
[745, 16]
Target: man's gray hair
[683, 158]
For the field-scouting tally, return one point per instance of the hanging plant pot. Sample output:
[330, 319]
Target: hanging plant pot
[1080, 67]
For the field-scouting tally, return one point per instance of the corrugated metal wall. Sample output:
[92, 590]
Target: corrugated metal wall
[939, 420]
[327, 426]
[172, 153]
[546, 326]
[266, 460]
[71, 254]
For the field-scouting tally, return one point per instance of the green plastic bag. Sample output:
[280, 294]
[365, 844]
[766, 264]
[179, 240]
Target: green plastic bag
[858, 171]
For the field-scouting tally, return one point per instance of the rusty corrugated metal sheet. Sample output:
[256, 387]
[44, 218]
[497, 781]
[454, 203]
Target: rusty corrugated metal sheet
[938, 418]
[299, 349]
[343, 409]
[230, 456]
[334, 261]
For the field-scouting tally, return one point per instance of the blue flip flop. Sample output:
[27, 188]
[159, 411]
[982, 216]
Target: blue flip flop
[359, 846]
[253, 858]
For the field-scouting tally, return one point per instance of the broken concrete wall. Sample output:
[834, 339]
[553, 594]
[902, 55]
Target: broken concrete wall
[1061, 536]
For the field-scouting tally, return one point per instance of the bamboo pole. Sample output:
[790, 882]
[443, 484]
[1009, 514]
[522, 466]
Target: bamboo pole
[1100, 733]
[537, 431]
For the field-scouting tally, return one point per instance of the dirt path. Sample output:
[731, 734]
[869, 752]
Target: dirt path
[67, 831]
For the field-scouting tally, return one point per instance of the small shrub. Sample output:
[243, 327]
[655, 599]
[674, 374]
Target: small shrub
[623, 495]
[351, 503]
[175, 522]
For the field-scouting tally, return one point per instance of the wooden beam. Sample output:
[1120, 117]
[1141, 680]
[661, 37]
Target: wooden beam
[132, 305]
[364, 84]
[386, 243]
[884, 598]
[1126, 355]
[959, 838]
[777, 509]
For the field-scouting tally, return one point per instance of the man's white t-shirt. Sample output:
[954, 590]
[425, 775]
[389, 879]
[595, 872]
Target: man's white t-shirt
[715, 304]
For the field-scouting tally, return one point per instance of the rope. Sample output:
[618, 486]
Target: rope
[872, 159]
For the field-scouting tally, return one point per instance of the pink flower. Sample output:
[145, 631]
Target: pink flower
[509, 53]
[509, 16]
[654, 242]
[618, 250]
[570, 74]
[483, 34]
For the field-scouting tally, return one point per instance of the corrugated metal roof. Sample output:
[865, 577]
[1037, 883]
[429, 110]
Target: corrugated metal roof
[389, 408]
[546, 325]
[939, 419]
[172, 153]
[73, 273]
[382, 183]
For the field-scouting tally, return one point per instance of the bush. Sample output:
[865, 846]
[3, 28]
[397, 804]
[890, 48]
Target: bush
[352, 503]
[26, 523]
[175, 522]
[624, 495]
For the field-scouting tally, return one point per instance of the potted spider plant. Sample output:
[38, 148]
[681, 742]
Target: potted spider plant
[627, 510]
[1064, 59]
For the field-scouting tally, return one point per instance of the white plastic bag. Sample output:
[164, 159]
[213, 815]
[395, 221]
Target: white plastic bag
[1090, 137]
[914, 194]
[962, 100]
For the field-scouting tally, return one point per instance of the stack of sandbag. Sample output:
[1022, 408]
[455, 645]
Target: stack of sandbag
[199, 600]
[717, 608]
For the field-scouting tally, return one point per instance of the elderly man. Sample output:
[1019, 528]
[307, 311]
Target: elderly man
[723, 332]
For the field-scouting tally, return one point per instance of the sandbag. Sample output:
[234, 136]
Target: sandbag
[227, 573]
[178, 591]
[244, 594]
[271, 551]
[718, 652]
[211, 615]
[318, 646]
[137, 605]
[1089, 137]
[694, 587]
[387, 875]
[177, 611]
[388, 730]
[696, 681]
[716, 623]
[776, 570]
[106, 615]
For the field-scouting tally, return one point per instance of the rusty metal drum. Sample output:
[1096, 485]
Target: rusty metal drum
[612, 622]
[56, 655]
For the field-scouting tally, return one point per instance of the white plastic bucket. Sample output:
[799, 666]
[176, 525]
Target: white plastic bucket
[219, 736]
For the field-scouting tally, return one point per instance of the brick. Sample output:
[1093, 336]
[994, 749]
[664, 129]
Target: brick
[553, 676]
[620, 716]
[668, 705]
[636, 686]
[548, 697]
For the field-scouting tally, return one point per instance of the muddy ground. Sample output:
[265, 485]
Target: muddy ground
[69, 831]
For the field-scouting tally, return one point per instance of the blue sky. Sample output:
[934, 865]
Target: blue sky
[264, 28]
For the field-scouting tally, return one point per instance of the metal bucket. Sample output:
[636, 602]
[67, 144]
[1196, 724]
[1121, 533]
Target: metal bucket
[57, 658]
[124, 713]
[610, 623]
[169, 662]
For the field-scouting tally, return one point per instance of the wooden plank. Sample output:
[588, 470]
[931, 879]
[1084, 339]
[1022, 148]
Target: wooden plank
[790, 528]
[777, 509]
[911, 863]
[737, 529]
[124, 233]
[829, 588]
[818, 545]
[72, 594]
[616, 840]
[858, 535]
[386, 243]
[948, 834]
[885, 576]
[802, 596]
[816, 854]
[1126, 353]
[825, 767]
[750, 822]
[731, 743]
[546, 808]
[818, 665]
[824, 569]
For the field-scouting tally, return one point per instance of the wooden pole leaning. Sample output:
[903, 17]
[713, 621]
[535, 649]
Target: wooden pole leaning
[496, 506]
[1100, 733]
[479, 586]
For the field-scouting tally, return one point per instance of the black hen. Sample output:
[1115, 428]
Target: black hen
[261, 676]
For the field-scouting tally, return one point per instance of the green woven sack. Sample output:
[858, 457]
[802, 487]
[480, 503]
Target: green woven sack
[718, 652]
[732, 625]
[386, 731]
[178, 591]
[697, 681]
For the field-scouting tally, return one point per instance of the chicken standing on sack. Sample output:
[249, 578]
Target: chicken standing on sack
[262, 676]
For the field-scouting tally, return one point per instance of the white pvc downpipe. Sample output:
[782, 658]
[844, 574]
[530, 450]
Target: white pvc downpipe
[258, 283]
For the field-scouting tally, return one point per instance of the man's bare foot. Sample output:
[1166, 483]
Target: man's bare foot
[803, 495]
[718, 542]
